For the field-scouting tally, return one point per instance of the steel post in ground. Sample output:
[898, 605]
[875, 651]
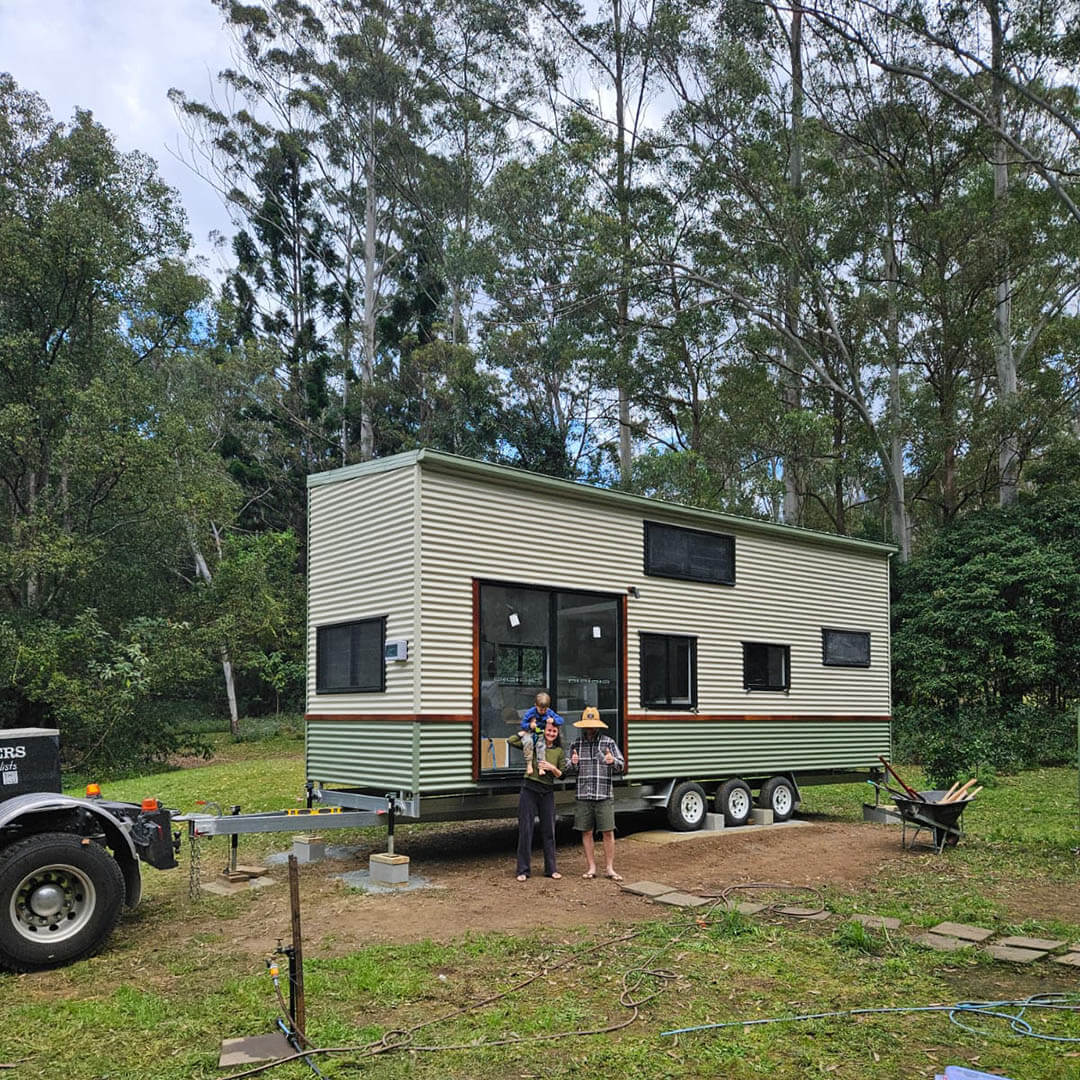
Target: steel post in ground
[234, 844]
[390, 805]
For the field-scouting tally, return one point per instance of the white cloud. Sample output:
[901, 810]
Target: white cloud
[119, 58]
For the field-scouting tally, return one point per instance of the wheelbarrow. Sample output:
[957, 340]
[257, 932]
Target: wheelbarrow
[940, 819]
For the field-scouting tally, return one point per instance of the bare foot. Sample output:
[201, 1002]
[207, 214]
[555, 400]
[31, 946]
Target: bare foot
[556, 876]
[523, 877]
[589, 874]
[610, 873]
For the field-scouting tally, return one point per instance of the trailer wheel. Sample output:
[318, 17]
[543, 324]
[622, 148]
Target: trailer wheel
[60, 897]
[778, 795]
[687, 807]
[733, 800]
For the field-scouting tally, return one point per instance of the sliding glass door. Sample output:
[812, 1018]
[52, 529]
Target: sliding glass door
[541, 639]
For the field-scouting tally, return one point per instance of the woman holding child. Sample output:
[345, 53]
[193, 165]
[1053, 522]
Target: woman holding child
[538, 798]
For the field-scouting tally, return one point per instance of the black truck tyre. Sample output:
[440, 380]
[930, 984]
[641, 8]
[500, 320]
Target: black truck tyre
[733, 800]
[687, 807]
[60, 898]
[778, 795]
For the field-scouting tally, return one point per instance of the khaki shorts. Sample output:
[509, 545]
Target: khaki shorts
[594, 815]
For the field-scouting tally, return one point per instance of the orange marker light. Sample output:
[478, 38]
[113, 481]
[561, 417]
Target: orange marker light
[93, 791]
[150, 804]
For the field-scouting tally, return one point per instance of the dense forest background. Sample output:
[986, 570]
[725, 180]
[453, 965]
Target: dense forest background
[814, 263]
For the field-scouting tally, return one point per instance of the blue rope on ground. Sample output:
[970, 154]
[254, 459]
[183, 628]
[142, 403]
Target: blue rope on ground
[1017, 1024]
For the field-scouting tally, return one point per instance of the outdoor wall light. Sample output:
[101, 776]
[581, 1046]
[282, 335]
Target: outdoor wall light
[514, 620]
[633, 591]
[596, 631]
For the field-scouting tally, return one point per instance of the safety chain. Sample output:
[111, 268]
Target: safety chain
[195, 869]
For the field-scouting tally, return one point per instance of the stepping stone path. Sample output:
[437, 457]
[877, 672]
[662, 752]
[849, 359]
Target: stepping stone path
[945, 937]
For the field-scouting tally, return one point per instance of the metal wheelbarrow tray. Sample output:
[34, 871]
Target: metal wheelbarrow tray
[942, 820]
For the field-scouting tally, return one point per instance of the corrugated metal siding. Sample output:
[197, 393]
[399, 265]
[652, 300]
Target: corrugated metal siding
[786, 591]
[445, 757]
[747, 747]
[361, 753]
[361, 564]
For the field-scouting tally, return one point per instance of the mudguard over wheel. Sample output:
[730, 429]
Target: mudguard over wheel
[60, 898]
[733, 800]
[687, 807]
[778, 795]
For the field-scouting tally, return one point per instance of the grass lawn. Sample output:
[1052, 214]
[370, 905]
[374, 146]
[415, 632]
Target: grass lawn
[157, 1004]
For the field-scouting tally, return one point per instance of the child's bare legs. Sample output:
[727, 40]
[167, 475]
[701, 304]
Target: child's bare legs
[528, 748]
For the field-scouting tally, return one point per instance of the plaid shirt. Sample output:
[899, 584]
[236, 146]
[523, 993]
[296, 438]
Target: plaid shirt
[594, 774]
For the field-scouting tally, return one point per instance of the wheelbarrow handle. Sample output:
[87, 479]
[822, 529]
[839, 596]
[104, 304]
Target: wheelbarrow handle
[912, 793]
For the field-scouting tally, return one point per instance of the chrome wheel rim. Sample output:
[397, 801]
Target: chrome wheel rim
[52, 903]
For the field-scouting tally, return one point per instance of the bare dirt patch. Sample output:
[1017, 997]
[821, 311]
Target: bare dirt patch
[473, 866]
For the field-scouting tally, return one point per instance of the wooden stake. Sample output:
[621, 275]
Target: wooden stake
[298, 948]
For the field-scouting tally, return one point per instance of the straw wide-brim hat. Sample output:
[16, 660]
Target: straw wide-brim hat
[590, 718]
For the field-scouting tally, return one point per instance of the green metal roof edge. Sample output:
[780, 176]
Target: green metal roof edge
[454, 463]
[367, 468]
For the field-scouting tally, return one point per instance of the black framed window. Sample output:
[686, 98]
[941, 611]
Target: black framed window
[689, 554]
[766, 667]
[520, 665]
[350, 658]
[668, 671]
[845, 648]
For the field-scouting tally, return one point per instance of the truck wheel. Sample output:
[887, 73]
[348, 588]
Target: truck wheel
[60, 897]
[778, 795]
[734, 802]
[687, 807]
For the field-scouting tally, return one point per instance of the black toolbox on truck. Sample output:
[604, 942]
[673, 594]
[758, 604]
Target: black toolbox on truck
[29, 761]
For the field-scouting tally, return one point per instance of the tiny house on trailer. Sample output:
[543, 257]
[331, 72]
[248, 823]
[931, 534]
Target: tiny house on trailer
[725, 654]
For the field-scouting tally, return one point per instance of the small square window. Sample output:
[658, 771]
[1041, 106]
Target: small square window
[351, 657]
[766, 667]
[845, 648]
[668, 671]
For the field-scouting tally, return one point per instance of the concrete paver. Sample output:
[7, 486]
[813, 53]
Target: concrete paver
[681, 899]
[648, 888]
[747, 907]
[1013, 955]
[962, 931]
[1045, 944]
[1071, 959]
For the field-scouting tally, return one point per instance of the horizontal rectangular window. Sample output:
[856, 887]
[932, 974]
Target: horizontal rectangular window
[845, 648]
[668, 671]
[351, 657]
[766, 667]
[689, 554]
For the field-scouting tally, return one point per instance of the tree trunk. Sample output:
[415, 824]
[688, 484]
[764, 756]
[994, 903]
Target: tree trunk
[1008, 452]
[901, 530]
[367, 364]
[622, 197]
[203, 570]
[791, 381]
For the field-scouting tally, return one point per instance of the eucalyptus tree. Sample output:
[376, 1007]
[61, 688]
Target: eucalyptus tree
[1005, 65]
[542, 330]
[599, 67]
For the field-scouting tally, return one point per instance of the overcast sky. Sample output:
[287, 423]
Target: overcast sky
[118, 58]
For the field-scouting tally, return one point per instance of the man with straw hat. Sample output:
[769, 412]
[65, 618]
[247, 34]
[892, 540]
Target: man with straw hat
[595, 757]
